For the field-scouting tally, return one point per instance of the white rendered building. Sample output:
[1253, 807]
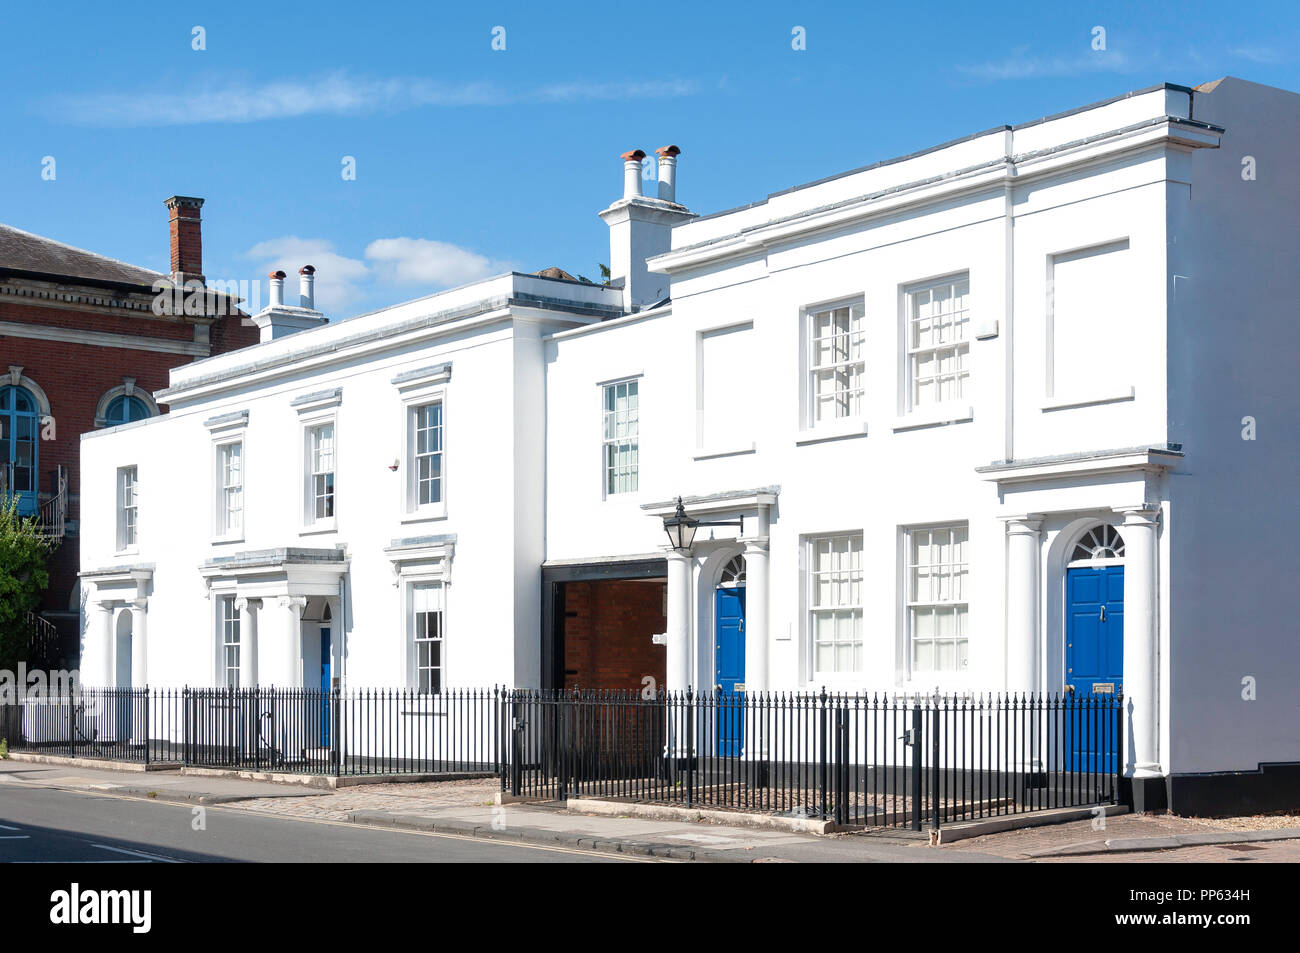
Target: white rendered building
[1015, 413]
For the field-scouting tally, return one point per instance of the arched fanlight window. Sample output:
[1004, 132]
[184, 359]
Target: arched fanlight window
[124, 410]
[733, 574]
[326, 616]
[1103, 541]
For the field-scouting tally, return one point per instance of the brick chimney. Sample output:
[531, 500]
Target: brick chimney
[186, 224]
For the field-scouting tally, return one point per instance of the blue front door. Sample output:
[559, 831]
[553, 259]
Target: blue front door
[729, 666]
[1094, 659]
[325, 686]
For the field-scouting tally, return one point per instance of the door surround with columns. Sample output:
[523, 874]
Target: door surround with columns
[693, 579]
[110, 592]
[272, 590]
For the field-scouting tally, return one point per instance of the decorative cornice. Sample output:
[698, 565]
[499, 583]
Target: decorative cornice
[433, 374]
[1004, 170]
[318, 400]
[44, 332]
[726, 501]
[422, 556]
[231, 421]
[1130, 459]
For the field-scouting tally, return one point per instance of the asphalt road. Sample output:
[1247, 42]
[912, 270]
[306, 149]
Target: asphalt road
[47, 825]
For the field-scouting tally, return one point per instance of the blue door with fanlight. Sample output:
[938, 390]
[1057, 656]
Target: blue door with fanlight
[19, 446]
[729, 668]
[325, 687]
[1094, 661]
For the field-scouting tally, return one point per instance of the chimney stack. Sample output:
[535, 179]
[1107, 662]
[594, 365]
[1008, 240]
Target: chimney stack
[668, 172]
[640, 227]
[632, 173]
[306, 287]
[277, 319]
[186, 226]
[277, 289]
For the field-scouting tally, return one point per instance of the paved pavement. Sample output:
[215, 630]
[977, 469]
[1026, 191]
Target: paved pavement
[466, 809]
[1146, 839]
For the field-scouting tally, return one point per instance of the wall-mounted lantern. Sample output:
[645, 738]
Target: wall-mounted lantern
[681, 528]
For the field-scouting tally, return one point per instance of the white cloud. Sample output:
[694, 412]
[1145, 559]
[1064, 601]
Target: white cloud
[1019, 65]
[1257, 54]
[422, 261]
[342, 282]
[339, 279]
[335, 93]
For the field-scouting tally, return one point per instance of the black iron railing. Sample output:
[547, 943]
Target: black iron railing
[872, 761]
[303, 731]
[136, 725]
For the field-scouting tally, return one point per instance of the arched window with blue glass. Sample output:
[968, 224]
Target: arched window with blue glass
[19, 444]
[124, 404]
[125, 410]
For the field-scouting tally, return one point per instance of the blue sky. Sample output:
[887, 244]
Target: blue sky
[472, 161]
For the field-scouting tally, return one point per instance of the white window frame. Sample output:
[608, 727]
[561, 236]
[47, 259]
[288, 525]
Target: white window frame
[958, 345]
[221, 529]
[848, 422]
[128, 509]
[414, 507]
[229, 623]
[418, 388]
[607, 442]
[856, 609]
[913, 600]
[413, 639]
[311, 523]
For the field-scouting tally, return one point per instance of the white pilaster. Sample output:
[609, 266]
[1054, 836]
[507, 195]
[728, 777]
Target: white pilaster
[680, 583]
[1023, 643]
[1141, 642]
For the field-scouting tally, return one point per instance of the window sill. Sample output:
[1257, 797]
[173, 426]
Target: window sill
[220, 540]
[424, 516]
[316, 529]
[835, 431]
[708, 453]
[1076, 400]
[935, 416]
[628, 496]
[129, 551]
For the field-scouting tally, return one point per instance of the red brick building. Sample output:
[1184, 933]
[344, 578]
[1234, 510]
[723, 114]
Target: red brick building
[84, 342]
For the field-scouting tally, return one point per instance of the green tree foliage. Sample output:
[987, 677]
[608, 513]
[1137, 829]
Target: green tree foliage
[23, 577]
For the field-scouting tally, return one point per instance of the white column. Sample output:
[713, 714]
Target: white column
[756, 601]
[97, 652]
[248, 639]
[1141, 642]
[679, 621]
[280, 641]
[1023, 559]
[139, 643]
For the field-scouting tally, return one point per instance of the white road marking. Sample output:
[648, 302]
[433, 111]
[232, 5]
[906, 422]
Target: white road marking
[15, 836]
[6, 827]
[137, 853]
